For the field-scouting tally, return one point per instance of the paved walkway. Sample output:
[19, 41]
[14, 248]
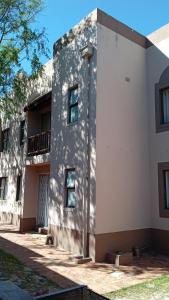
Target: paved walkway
[56, 264]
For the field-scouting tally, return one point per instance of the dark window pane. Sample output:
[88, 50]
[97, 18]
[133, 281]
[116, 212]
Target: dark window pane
[70, 188]
[70, 181]
[71, 198]
[165, 106]
[73, 96]
[166, 189]
[22, 132]
[73, 113]
[2, 188]
[73, 105]
[18, 188]
[5, 139]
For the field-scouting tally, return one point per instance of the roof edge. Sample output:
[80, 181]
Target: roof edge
[159, 35]
[69, 36]
[38, 100]
[99, 16]
[122, 29]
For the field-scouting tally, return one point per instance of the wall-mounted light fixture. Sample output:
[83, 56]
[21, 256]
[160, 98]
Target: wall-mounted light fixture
[87, 51]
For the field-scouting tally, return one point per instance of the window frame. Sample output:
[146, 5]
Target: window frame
[162, 168]
[160, 125]
[22, 133]
[161, 85]
[18, 188]
[5, 145]
[70, 106]
[162, 107]
[67, 189]
[4, 188]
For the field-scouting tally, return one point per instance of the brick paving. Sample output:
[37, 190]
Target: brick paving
[56, 264]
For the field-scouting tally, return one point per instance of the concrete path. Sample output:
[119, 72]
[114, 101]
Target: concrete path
[56, 264]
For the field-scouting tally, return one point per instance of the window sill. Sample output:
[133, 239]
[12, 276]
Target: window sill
[69, 209]
[5, 152]
[18, 203]
[162, 127]
[72, 124]
[164, 213]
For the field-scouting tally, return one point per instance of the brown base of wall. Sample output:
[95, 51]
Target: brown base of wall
[24, 224]
[68, 239]
[157, 239]
[72, 240]
[160, 241]
[100, 244]
[27, 224]
[9, 218]
[121, 241]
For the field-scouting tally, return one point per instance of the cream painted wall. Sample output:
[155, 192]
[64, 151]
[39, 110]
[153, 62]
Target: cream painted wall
[157, 61]
[30, 193]
[122, 141]
[32, 188]
[124, 147]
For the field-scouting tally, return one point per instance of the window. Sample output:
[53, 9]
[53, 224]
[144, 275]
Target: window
[5, 139]
[166, 189]
[164, 106]
[163, 182]
[3, 188]
[162, 102]
[18, 188]
[73, 110]
[70, 188]
[22, 132]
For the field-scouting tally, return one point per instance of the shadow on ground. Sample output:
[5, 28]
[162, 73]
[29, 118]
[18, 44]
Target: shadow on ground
[56, 264]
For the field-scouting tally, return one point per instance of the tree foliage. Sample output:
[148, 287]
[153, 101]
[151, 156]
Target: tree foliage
[21, 46]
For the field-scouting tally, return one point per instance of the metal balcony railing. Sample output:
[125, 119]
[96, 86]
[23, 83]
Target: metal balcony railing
[39, 143]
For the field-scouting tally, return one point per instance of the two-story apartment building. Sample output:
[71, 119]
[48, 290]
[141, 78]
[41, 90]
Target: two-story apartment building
[89, 157]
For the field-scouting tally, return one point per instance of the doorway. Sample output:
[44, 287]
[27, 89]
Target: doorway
[42, 217]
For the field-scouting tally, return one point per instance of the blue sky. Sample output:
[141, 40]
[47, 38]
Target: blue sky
[58, 16]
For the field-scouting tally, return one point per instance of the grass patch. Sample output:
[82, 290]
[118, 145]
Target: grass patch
[14, 270]
[5, 257]
[154, 289]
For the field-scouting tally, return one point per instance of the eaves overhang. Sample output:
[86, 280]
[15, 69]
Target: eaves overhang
[39, 102]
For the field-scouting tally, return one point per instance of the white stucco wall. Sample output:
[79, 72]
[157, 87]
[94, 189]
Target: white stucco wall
[11, 165]
[69, 141]
[13, 161]
[157, 61]
[122, 141]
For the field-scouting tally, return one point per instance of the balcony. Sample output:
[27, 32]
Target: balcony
[39, 143]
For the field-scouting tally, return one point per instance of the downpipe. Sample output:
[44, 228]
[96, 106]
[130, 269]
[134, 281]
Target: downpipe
[87, 53]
